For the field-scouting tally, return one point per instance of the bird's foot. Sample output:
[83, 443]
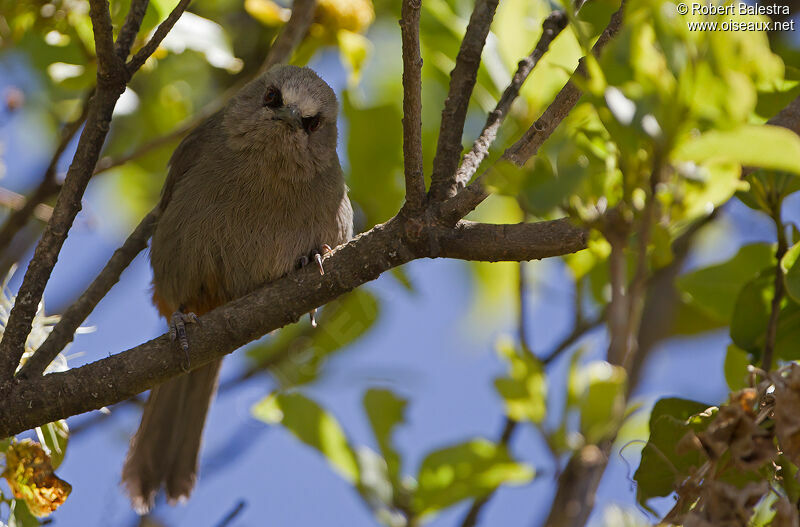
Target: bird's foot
[317, 256]
[177, 331]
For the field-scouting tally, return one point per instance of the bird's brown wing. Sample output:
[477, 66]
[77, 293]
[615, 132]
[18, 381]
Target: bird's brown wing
[185, 155]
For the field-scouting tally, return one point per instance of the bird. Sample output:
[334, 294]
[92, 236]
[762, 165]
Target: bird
[252, 193]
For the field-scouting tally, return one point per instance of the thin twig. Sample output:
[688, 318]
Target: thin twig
[238, 508]
[618, 308]
[412, 107]
[291, 34]
[130, 28]
[528, 145]
[551, 28]
[637, 289]
[578, 331]
[149, 48]
[777, 298]
[462, 82]
[48, 186]
[63, 333]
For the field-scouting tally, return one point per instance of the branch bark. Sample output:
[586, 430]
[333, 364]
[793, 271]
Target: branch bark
[412, 107]
[108, 63]
[519, 242]
[102, 383]
[462, 81]
[130, 28]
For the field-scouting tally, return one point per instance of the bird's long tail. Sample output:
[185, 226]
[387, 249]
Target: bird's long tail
[166, 446]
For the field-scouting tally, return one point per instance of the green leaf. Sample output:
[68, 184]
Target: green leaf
[763, 146]
[54, 437]
[313, 426]
[714, 289]
[297, 353]
[525, 389]
[463, 471]
[602, 404]
[790, 265]
[385, 411]
[751, 313]
[661, 467]
[736, 363]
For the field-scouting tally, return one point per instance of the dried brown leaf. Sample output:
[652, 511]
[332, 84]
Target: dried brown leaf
[30, 475]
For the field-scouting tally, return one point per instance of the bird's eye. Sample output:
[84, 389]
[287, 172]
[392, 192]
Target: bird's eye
[312, 123]
[272, 97]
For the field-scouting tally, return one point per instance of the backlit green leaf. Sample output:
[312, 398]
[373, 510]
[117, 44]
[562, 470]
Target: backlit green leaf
[714, 289]
[466, 470]
[790, 264]
[769, 147]
[313, 426]
[525, 389]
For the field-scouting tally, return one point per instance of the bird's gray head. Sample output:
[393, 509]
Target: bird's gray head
[287, 119]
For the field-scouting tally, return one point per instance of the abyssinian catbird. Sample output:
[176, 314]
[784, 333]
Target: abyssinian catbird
[251, 192]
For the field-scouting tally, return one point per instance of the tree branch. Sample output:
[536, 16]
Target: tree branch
[462, 81]
[58, 395]
[519, 242]
[130, 28]
[111, 80]
[551, 28]
[578, 483]
[291, 34]
[63, 333]
[107, 61]
[412, 107]
[161, 31]
[470, 197]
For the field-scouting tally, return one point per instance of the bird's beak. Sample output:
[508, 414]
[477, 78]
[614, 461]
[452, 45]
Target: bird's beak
[290, 115]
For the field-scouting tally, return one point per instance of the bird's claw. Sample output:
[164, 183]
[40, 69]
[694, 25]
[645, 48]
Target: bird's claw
[318, 256]
[177, 331]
